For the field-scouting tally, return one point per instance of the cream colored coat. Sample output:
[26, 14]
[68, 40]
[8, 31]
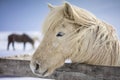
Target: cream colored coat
[84, 39]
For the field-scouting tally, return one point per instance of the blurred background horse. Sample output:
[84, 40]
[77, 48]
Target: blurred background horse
[24, 38]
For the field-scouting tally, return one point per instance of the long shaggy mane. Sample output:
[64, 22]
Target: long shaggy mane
[96, 41]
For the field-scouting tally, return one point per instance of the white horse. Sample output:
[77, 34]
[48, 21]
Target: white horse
[72, 32]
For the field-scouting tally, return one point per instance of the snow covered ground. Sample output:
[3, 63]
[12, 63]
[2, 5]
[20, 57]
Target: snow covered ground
[19, 50]
[18, 46]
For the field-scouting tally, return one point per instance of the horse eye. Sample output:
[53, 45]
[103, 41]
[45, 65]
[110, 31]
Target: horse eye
[60, 34]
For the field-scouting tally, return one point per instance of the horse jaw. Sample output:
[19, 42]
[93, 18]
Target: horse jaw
[46, 67]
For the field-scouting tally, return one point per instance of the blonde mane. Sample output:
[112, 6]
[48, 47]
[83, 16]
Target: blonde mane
[74, 33]
[81, 17]
[97, 41]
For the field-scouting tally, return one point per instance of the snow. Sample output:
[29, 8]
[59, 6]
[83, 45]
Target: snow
[19, 51]
[18, 46]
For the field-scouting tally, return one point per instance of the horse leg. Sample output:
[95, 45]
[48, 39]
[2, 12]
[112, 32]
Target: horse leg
[13, 45]
[24, 46]
[8, 45]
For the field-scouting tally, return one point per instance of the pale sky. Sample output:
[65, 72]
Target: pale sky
[28, 15]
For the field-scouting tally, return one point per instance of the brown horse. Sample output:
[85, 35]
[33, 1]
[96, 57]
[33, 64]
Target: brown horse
[24, 38]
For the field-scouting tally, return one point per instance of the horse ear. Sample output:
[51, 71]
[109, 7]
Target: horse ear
[68, 11]
[50, 6]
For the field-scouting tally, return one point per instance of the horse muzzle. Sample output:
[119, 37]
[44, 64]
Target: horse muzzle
[38, 70]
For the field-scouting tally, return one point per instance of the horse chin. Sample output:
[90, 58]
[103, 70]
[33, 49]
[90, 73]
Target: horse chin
[46, 73]
[43, 74]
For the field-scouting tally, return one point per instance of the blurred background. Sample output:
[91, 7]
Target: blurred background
[27, 16]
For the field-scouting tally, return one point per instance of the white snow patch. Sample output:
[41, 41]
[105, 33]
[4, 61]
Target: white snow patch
[18, 46]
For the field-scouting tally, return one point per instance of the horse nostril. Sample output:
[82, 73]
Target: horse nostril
[37, 66]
